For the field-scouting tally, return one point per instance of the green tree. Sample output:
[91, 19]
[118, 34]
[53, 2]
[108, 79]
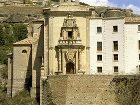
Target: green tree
[8, 33]
[2, 39]
[19, 31]
[4, 50]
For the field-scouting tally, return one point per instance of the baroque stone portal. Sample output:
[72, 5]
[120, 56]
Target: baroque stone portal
[69, 48]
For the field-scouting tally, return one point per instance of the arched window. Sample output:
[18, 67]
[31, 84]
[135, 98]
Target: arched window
[24, 51]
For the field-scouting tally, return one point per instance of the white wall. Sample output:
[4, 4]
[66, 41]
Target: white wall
[131, 48]
[94, 37]
[107, 37]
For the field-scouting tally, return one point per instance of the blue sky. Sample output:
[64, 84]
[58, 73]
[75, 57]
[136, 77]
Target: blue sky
[129, 4]
[126, 2]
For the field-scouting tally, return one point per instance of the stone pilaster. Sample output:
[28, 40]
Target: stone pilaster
[88, 46]
[59, 61]
[46, 48]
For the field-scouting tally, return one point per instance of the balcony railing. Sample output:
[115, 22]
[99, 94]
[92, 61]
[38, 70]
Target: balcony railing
[70, 42]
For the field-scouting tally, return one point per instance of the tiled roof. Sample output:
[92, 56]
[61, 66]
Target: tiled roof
[132, 19]
[27, 41]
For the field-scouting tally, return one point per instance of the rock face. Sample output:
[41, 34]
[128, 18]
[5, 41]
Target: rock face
[91, 90]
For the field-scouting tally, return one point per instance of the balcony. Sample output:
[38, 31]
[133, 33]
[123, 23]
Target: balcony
[70, 43]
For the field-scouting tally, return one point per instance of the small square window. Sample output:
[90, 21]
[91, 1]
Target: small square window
[99, 69]
[99, 57]
[115, 28]
[138, 27]
[115, 69]
[99, 29]
[99, 46]
[115, 57]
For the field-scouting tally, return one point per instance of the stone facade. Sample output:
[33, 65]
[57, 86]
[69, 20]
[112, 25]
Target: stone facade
[64, 42]
[90, 90]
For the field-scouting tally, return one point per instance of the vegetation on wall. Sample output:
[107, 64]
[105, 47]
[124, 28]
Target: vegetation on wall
[126, 89]
[10, 33]
[22, 98]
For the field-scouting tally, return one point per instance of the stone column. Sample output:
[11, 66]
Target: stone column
[77, 62]
[88, 46]
[59, 61]
[10, 74]
[63, 63]
[46, 47]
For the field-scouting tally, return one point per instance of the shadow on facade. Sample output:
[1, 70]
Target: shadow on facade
[28, 79]
[38, 62]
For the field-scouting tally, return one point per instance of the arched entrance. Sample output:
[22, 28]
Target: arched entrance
[70, 68]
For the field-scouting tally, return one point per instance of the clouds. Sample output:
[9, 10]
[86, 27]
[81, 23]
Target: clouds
[135, 9]
[98, 2]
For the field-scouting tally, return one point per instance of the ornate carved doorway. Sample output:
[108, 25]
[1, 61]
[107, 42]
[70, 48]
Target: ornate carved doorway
[70, 46]
[70, 68]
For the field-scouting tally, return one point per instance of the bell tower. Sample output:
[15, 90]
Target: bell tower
[69, 47]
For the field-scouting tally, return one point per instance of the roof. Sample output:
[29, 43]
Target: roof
[132, 19]
[27, 41]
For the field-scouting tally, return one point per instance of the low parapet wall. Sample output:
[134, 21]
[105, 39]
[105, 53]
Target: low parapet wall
[91, 90]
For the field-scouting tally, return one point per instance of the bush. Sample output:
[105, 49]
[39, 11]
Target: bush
[4, 50]
[4, 72]
[22, 98]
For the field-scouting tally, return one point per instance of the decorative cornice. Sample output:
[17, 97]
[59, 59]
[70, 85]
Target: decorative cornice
[64, 13]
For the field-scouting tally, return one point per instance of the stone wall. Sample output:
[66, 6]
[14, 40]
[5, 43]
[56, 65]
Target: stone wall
[91, 90]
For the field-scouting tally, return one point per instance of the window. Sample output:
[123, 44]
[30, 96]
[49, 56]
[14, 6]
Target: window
[115, 45]
[115, 28]
[99, 57]
[99, 46]
[99, 69]
[99, 29]
[70, 34]
[139, 56]
[115, 69]
[139, 44]
[115, 57]
[24, 51]
[139, 67]
[138, 27]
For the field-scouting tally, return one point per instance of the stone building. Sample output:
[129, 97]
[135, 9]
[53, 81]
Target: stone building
[73, 38]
